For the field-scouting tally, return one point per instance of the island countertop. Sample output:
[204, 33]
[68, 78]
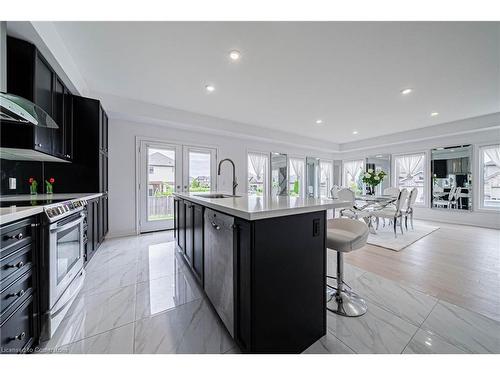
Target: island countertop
[256, 208]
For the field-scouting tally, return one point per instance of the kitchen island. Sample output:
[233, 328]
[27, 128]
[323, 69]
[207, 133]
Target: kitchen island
[262, 264]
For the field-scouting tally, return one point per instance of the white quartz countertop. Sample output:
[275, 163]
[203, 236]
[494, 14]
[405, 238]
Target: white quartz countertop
[255, 208]
[13, 213]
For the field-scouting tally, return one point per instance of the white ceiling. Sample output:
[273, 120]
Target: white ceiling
[349, 74]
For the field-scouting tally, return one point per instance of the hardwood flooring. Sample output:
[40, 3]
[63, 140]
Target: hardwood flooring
[457, 263]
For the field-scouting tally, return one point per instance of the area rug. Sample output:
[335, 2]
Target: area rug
[384, 236]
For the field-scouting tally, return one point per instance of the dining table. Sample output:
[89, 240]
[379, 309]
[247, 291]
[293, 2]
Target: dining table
[375, 202]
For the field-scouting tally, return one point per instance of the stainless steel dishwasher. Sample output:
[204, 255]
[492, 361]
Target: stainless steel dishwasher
[218, 265]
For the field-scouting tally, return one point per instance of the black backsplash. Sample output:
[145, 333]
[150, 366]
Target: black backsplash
[69, 177]
[21, 171]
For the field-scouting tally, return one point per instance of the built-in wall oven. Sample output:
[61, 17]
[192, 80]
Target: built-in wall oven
[62, 264]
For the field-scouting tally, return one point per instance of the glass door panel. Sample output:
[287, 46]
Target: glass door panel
[199, 169]
[159, 178]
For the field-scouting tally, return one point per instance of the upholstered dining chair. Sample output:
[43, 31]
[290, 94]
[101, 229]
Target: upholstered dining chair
[392, 191]
[393, 213]
[352, 212]
[442, 202]
[409, 207]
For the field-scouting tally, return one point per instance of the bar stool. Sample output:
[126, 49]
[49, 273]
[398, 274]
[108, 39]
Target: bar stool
[343, 236]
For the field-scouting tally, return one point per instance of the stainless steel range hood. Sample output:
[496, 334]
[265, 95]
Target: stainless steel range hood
[14, 108]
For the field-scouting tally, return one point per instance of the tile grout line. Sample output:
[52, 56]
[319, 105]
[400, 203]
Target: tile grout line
[420, 326]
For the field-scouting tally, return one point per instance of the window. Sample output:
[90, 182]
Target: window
[326, 178]
[296, 177]
[490, 176]
[352, 175]
[257, 174]
[151, 170]
[410, 173]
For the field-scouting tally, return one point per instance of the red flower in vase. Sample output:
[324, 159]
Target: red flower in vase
[52, 180]
[31, 179]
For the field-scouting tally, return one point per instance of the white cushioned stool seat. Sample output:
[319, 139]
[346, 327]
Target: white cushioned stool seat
[346, 234]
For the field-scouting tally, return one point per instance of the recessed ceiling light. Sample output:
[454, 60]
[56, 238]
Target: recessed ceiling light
[234, 55]
[378, 156]
[434, 114]
[319, 122]
[355, 132]
[407, 91]
[210, 88]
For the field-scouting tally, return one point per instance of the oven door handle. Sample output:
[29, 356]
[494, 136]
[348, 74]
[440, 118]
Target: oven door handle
[69, 225]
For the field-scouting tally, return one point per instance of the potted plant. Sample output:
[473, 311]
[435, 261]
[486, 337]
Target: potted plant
[49, 189]
[372, 178]
[33, 185]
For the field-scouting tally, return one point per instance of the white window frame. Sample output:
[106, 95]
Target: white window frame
[267, 171]
[480, 180]
[427, 173]
[343, 182]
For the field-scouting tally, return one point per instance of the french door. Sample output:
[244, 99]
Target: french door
[166, 168]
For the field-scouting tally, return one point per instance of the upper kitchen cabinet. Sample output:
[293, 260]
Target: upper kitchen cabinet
[30, 76]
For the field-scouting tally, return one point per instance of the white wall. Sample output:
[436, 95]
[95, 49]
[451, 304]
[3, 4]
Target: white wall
[487, 135]
[122, 161]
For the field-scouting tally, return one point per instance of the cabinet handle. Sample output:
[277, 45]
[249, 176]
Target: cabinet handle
[18, 236]
[17, 265]
[20, 336]
[217, 227]
[18, 294]
[68, 156]
[39, 144]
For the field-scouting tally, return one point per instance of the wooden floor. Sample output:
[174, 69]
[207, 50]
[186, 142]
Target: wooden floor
[457, 263]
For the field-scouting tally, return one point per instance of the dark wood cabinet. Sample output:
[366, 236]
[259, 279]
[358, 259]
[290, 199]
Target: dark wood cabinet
[188, 230]
[188, 250]
[198, 238]
[19, 310]
[30, 76]
[180, 221]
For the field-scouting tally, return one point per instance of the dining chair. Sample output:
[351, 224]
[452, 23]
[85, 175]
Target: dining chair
[392, 191]
[459, 194]
[334, 192]
[393, 213]
[441, 202]
[353, 211]
[409, 207]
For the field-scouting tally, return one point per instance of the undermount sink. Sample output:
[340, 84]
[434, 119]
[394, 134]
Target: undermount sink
[216, 195]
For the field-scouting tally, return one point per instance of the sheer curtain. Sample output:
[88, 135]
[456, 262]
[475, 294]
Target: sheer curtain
[297, 168]
[326, 179]
[257, 179]
[493, 153]
[352, 170]
[410, 173]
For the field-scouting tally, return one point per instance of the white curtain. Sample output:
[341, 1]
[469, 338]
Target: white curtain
[351, 171]
[297, 168]
[326, 168]
[493, 154]
[258, 163]
[410, 165]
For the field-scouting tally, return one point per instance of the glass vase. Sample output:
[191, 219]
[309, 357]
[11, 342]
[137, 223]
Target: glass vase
[49, 188]
[33, 189]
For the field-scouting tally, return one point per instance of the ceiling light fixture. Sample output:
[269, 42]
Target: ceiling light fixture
[319, 122]
[210, 88]
[434, 114]
[355, 132]
[234, 55]
[407, 91]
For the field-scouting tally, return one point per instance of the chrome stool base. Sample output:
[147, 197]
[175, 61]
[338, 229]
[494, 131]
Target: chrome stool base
[346, 303]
